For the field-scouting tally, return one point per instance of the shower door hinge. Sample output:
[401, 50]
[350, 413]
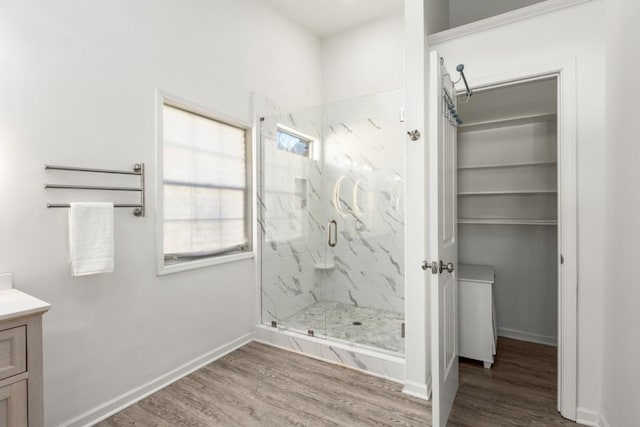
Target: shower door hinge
[561, 259]
[402, 330]
[274, 324]
[311, 333]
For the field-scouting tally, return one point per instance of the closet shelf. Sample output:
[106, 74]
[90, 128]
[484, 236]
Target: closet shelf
[509, 121]
[500, 221]
[505, 192]
[508, 165]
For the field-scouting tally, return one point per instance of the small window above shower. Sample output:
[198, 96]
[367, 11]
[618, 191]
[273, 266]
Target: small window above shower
[292, 141]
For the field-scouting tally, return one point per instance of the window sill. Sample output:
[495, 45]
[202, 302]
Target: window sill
[201, 263]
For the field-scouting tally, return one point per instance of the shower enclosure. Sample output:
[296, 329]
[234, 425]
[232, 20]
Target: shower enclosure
[331, 221]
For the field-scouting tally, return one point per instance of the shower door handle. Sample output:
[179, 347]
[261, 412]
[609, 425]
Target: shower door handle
[333, 224]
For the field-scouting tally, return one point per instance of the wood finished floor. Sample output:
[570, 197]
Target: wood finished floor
[518, 390]
[258, 385]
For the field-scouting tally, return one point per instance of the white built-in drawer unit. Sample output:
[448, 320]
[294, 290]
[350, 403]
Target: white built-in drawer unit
[477, 314]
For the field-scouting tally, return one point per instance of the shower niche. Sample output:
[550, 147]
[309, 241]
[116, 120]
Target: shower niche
[331, 222]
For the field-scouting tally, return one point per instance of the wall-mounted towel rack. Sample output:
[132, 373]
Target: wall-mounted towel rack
[138, 169]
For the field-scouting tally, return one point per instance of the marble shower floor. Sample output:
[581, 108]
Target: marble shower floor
[377, 328]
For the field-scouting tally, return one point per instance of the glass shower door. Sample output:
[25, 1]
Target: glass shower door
[292, 226]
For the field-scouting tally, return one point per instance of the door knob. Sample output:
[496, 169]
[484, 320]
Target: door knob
[448, 267]
[433, 266]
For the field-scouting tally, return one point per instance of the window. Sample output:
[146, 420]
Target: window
[204, 188]
[294, 142]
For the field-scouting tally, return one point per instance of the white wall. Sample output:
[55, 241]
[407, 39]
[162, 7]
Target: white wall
[573, 33]
[438, 12]
[466, 11]
[364, 60]
[77, 87]
[284, 60]
[526, 297]
[621, 349]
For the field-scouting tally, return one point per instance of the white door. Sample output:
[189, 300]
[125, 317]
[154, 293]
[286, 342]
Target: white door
[443, 245]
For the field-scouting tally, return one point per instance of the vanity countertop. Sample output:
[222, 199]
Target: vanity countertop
[14, 303]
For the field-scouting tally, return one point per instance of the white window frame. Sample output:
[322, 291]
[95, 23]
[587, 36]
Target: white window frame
[162, 99]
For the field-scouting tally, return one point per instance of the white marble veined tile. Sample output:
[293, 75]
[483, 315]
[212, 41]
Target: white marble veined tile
[391, 366]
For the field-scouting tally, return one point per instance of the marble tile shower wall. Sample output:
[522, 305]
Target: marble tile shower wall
[355, 176]
[364, 185]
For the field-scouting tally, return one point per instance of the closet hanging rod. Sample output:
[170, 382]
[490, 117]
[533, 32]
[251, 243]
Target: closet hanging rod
[92, 187]
[137, 169]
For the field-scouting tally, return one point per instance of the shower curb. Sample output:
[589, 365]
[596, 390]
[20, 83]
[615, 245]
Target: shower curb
[379, 364]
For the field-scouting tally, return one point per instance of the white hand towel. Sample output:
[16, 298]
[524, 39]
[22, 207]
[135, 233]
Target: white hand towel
[91, 238]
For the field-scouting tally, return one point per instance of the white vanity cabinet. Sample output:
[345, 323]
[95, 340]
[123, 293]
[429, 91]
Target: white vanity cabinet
[21, 403]
[476, 311]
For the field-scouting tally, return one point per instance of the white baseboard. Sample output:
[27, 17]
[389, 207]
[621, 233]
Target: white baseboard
[527, 336]
[116, 405]
[421, 391]
[588, 417]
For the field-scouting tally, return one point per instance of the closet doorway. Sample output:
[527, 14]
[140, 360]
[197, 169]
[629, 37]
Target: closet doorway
[508, 219]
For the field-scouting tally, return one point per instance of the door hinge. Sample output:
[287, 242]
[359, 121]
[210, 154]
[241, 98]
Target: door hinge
[561, 259]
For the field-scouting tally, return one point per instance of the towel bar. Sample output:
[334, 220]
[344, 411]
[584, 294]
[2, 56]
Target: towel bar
[138, 169]
[92, 187]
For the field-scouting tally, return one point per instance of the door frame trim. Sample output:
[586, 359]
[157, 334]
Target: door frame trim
[565, 72]
[416, 291]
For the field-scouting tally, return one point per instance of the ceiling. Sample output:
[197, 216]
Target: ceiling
[519, 100]
[326, 17]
